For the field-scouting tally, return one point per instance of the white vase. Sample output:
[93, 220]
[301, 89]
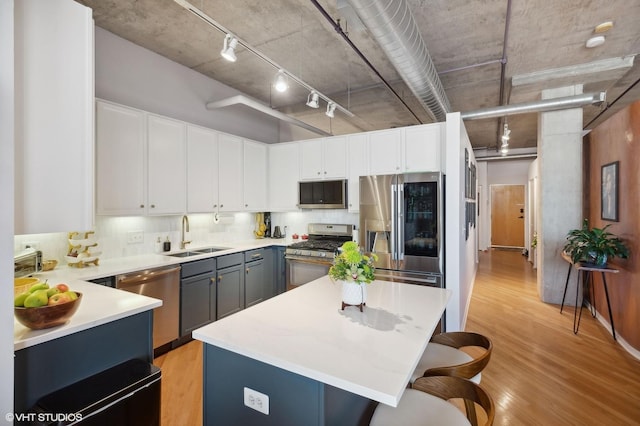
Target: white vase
[354, 293]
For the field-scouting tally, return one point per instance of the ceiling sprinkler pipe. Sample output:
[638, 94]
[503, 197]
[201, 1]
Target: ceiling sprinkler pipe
[537, 106]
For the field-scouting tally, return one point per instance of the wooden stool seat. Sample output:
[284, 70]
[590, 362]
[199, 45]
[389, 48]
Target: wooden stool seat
[427, 404]
[443, 356]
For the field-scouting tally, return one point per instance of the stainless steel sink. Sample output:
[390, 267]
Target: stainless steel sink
[211, 249]
[186, 254]
[198, 251]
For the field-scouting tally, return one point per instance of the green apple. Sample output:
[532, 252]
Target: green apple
[71, 294]
[36, 299]
[52, 291]
[19, 299]
[59, 298]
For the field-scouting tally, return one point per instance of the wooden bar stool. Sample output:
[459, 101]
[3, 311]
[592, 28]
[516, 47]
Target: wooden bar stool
[443, 356]
[426, 404]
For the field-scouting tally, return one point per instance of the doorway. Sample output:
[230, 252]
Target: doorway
[507, 216]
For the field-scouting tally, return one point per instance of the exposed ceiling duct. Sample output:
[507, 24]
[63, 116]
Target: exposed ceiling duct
[392, 25]
[537, 106]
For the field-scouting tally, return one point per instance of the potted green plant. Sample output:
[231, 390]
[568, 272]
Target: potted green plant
[594, 246]
[354, 270]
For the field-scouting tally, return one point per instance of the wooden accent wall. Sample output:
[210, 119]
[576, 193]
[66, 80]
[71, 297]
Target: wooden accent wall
[618, 139]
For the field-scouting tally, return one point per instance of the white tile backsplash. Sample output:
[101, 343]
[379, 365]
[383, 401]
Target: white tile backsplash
[111, 232]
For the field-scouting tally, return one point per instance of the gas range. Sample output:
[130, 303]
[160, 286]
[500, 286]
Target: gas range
[324, 240]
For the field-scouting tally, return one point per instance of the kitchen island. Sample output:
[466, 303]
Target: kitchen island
[317, 364]
[109, 327]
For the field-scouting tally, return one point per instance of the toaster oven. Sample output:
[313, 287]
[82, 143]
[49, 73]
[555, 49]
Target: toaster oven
[27, 262]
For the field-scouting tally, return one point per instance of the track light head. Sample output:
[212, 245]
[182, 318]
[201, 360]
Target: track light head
[281, 83]
[229, 47]
[331, 107]
[312, 100]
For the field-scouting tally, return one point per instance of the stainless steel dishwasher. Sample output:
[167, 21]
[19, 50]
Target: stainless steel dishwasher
[163, 284]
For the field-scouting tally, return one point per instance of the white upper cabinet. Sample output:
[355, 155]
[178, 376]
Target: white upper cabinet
[357, 154]
[385, 152]
[202, 170]
[167, 163]
[334, 157]
[422, 147]
[283, 176]
[323, 158]
[121, 160]
[230, 172]
[255, 176]
[54, 116]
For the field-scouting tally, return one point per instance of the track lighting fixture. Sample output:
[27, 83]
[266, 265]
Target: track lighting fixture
[312, 99]
[505, 135]
[331, 107]
[504, 148]
[229, 47]
[281, 84]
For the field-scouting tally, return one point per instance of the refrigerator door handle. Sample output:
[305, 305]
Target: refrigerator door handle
[399, 201]
[392, 237]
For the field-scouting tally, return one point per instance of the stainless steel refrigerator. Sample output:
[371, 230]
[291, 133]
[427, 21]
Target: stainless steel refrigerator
[402, 221]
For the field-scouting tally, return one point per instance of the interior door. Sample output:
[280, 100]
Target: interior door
[507, 216]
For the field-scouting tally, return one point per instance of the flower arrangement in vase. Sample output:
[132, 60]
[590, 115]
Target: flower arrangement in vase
[353, 270]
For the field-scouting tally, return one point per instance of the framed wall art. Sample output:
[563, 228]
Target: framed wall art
[609, 191]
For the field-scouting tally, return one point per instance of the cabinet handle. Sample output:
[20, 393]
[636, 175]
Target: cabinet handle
[221, 205]
[213, 280]
[219, 278]
[215, 205]
[325, 172]
[142, 206]
[318, 172]
[246, 205]
[253, 256]
[247, 270]
[153, 206]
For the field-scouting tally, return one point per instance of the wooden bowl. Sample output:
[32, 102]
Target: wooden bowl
[47, 316]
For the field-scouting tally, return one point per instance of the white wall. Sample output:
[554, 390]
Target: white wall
[131, 75]
[461, 253]
[6, 212]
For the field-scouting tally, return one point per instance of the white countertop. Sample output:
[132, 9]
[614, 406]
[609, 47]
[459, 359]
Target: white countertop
[101, 305]
[123, 265]
[372, 353]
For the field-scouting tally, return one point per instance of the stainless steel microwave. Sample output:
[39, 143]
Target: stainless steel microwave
[323, 194]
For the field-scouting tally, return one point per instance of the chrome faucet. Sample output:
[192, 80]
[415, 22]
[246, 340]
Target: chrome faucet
[183, 242]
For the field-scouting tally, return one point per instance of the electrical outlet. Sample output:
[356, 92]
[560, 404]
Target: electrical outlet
[135, 237]
[256, 400]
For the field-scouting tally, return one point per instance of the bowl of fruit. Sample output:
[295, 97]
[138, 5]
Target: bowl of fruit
[44, 306]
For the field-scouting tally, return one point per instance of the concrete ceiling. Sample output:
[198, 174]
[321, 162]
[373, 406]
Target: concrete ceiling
[540, 42]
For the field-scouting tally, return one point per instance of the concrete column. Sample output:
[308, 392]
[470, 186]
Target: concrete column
[560, 196]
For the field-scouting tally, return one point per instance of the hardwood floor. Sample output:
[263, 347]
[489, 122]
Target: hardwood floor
[540, 373]
[181, 396]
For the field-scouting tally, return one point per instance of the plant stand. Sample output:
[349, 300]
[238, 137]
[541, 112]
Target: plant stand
[587, 283]
[360, 305]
